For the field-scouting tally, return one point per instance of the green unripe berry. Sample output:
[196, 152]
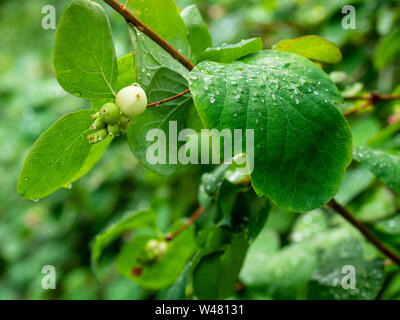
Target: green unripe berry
[113, 130]
[155, 249]
[96, 116]
[98, 124]
[93, 138]
[110, 113]
[102, 134]
[131, 100]
[124, 121]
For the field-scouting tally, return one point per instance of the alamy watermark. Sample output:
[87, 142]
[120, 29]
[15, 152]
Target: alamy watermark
[349, 20]
[200, 148]
[49, 20]
[49, 280]
[349, 278]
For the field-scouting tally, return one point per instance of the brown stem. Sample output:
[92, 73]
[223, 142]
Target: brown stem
[371, 99]
[365, 231]
[134, 21]
[191, 220]
[157, 103]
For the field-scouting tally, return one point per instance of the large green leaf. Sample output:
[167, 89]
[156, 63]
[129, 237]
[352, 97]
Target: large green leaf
[232, 52]
[329, 280]
[60, 156]
[312, 47]
[302, 144]
[84, 56]
[384, 165]
[165, 83]
[214, 277]
[164, 272]
[138, 219]
[198, 35]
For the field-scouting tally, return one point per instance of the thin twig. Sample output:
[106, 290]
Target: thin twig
[365, 231]
[157, 103]
[134, 21]
[191, 220]
[371, 99]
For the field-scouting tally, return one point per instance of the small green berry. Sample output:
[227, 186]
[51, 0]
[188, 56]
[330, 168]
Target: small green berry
[124, 121]
[96, 116]
[156, 249]
[113, 130]
[131, 100]
[102, 134]
[110, 113]
[93, 138]
[98, 124]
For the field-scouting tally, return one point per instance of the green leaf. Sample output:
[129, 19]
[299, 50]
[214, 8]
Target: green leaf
[84, 56]
[60, 156]
[126, 77]
[197, 31]
[312, 47]
[286, 272]
[166, 83]
[150, 58]
[302, 144]
[355, 182]
[383, 165]
[164, 272]
[138, 219]
[96, 153]
[376, 204]
[126, 71]
[260, 251]
[387, 49]
[309, 224]
[214, 277]
[328, 279]
[231, 52]
[163, 17]
[178, 289]
[389, 226]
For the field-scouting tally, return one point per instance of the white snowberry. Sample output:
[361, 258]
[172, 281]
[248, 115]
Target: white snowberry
[131, 100]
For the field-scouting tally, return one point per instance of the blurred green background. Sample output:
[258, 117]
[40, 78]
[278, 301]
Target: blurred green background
[58, 230]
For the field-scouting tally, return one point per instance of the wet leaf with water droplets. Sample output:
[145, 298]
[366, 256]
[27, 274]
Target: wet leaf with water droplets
[383, 165]
[302, 144]
[56, 161]
[344, 274]
[84, 56]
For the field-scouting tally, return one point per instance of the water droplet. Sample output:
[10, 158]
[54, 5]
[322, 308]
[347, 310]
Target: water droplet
[26, 179]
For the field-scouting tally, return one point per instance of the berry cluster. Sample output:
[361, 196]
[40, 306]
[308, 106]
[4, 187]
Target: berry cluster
[154, 251]
[113, 119]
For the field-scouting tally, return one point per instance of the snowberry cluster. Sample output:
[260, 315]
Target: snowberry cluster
[113, 119]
